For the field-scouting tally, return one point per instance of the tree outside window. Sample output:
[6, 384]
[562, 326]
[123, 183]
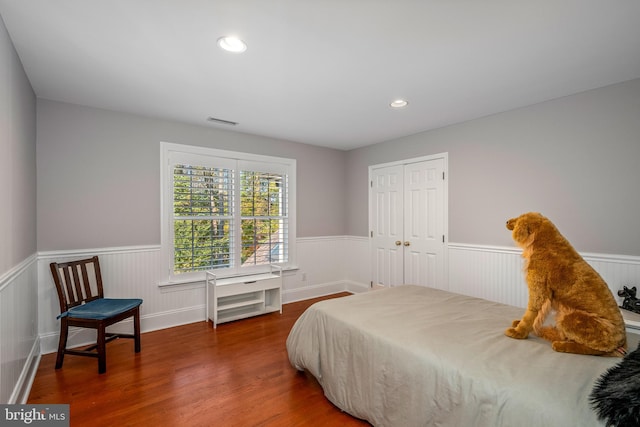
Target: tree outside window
[206, 215]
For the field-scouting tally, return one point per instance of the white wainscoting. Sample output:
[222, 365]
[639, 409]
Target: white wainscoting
[487, 272]
[495, 273]
[130, 272]
[327, 265]
[19, 345]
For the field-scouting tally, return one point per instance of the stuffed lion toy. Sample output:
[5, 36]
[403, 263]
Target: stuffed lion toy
[588, 320]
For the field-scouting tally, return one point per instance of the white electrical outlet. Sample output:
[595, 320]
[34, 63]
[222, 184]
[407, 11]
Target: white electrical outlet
[304, 277]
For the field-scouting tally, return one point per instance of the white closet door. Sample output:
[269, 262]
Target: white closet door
[424, 223]
[408, 223]
[386, 207]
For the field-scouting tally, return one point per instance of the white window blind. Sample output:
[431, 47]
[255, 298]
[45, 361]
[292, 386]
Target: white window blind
[228, 214]
[263, 216]
[203, 225]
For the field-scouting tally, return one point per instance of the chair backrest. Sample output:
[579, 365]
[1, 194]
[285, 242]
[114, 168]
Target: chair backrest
[77, 282]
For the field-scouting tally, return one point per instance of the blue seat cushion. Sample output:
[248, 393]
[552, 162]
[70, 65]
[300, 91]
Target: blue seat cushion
[100, 309]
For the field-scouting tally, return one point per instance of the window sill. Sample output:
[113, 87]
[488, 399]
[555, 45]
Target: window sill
[199, 281]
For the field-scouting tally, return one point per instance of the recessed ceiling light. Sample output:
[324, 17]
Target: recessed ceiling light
[232, 44]
[399, 103]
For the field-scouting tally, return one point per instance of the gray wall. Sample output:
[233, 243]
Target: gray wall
[99, 176]
[17, 159]
[575, 159]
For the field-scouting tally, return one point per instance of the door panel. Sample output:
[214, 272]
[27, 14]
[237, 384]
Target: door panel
[424, 222]
[386, 199]
[408, 213]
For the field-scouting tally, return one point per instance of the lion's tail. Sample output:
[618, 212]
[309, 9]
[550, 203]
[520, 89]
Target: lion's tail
[541, 317]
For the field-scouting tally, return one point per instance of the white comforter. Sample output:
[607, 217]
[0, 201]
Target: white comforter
[415, 356]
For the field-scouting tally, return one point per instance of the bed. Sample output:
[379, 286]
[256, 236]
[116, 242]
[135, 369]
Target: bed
[416, 356]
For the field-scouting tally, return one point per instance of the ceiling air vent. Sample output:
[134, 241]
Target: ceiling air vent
[221, 121]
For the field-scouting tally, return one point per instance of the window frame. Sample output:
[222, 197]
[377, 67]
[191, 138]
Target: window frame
[172, 154]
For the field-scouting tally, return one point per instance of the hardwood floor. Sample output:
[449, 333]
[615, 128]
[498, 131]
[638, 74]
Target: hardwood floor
[194, 375]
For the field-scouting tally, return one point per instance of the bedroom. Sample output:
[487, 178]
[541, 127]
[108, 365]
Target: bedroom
[573, 157]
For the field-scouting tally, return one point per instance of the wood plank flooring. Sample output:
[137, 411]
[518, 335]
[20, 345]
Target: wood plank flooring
[194, 375]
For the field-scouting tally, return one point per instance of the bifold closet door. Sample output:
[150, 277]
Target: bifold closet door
[407, 209]
[387, 219]
[424, 223]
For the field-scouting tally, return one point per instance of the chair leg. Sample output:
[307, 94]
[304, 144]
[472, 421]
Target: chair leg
[102, 350]
[136, 330]
[62, 342]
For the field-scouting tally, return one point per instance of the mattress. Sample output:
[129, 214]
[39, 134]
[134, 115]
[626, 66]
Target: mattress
[416, 356]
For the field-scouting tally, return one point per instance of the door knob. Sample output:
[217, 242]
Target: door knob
[407, 243]
[398, 242]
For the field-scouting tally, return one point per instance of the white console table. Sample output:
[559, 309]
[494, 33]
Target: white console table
[234, 298]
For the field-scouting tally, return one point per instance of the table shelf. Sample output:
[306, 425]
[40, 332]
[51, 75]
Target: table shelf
[236, 298]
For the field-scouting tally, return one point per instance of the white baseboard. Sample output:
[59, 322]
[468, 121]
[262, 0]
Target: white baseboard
[356, 287]
[171, 318]
[22, 387]
[314, 291]
[79, 337]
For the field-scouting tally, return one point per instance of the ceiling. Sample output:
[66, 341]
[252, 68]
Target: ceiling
[322, 72]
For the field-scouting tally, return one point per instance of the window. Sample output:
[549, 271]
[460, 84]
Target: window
[226, 211]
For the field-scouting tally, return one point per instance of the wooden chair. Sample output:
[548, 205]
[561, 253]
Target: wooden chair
[82, 304]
